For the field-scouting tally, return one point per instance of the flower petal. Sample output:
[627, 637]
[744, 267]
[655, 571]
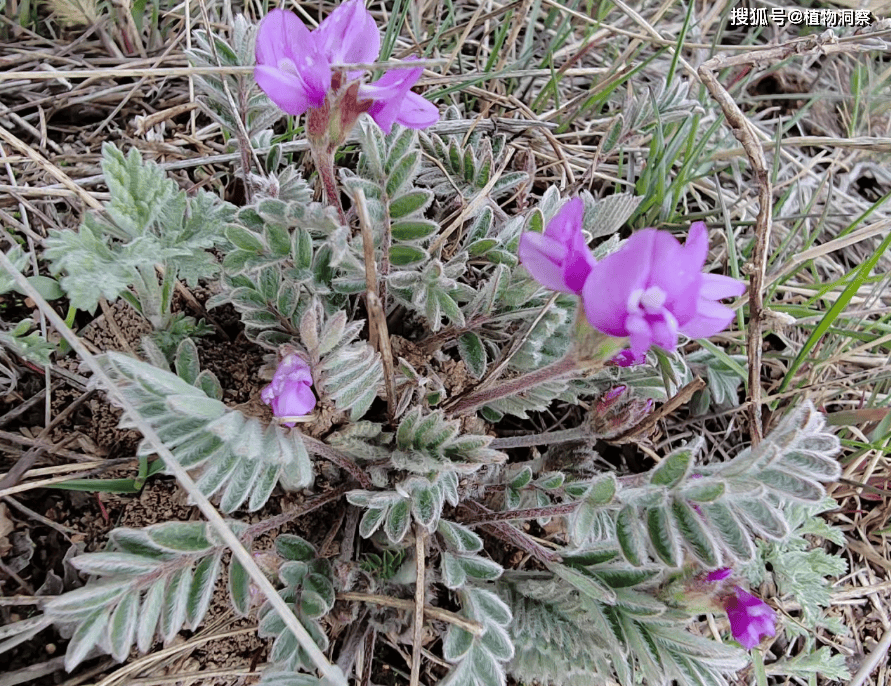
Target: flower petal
[626, 358]
[279, 34]
[290, 393]
[285, 90]
[388, 94]
[711, 318]
[719, 574]
[567, 223]
[417, 112]
[560, 258]
[285, 45]
[349, 35]
[544, 258]
[640, 335]
[611, 282]
[751, 619]
[676, 272]
[718, 287]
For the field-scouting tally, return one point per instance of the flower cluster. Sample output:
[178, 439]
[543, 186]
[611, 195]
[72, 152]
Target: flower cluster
[648, 292]
[295, 67]
[751, 619]
[290, 393]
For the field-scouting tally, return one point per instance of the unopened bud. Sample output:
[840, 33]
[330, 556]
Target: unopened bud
[616, 411]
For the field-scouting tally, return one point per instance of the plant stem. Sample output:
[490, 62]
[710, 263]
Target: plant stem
[510, 534]
[468, 625]
[323, 157]
[277, 521]
[548, 438]
[342, 460]
[564, 367]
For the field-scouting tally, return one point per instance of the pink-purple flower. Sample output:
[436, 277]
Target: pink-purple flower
[653, 289]
[294, 68]
[649, 291]
[559, 258]
[626, 358]
[751, 619]
[290, 392]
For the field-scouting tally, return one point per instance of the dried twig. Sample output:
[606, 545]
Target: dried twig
[473, 627]
[377, 319]
[418, 626]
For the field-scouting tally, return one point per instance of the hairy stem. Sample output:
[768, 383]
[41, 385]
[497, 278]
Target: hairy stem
[342, 460]
[323, 157]
[548, 438]
[469, 625]
[568, 366]
[510, 534]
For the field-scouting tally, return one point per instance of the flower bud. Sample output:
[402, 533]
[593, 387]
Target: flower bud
[626, 358]
[751, 619]
[617, 411]
[290, 393]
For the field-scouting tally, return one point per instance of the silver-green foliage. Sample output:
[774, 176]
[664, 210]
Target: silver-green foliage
[478, 658]
[308, 588]
[801, 570]
[433, 451]
[238, 457]
[345, 370]
[713, 512]
[431, 443]
[417, 498]
[153, 581]
[232, 98]
[466, 164]
[26, 341]
[568, 632]
[419, 279]
[148, 221]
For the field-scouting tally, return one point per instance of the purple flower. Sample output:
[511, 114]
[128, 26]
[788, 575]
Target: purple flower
[652, 289]
[718, 574]
[751, 619]
[559, 258]
[626, 358]
[294, 67]
[290, 393]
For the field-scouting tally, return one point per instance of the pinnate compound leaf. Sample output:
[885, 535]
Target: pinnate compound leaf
[453, 574]
[371, 520]
[672, 470]
[149, 615]
[161, 579]
[247, 461]
[663, 536]
[731, 533]
[293, 547]
[459, 538]
[630, 536]
[791, 486]
[397, 521]
[456, 644]
[694, 535]
[472, 352]
[240, 588]
[86, 636]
